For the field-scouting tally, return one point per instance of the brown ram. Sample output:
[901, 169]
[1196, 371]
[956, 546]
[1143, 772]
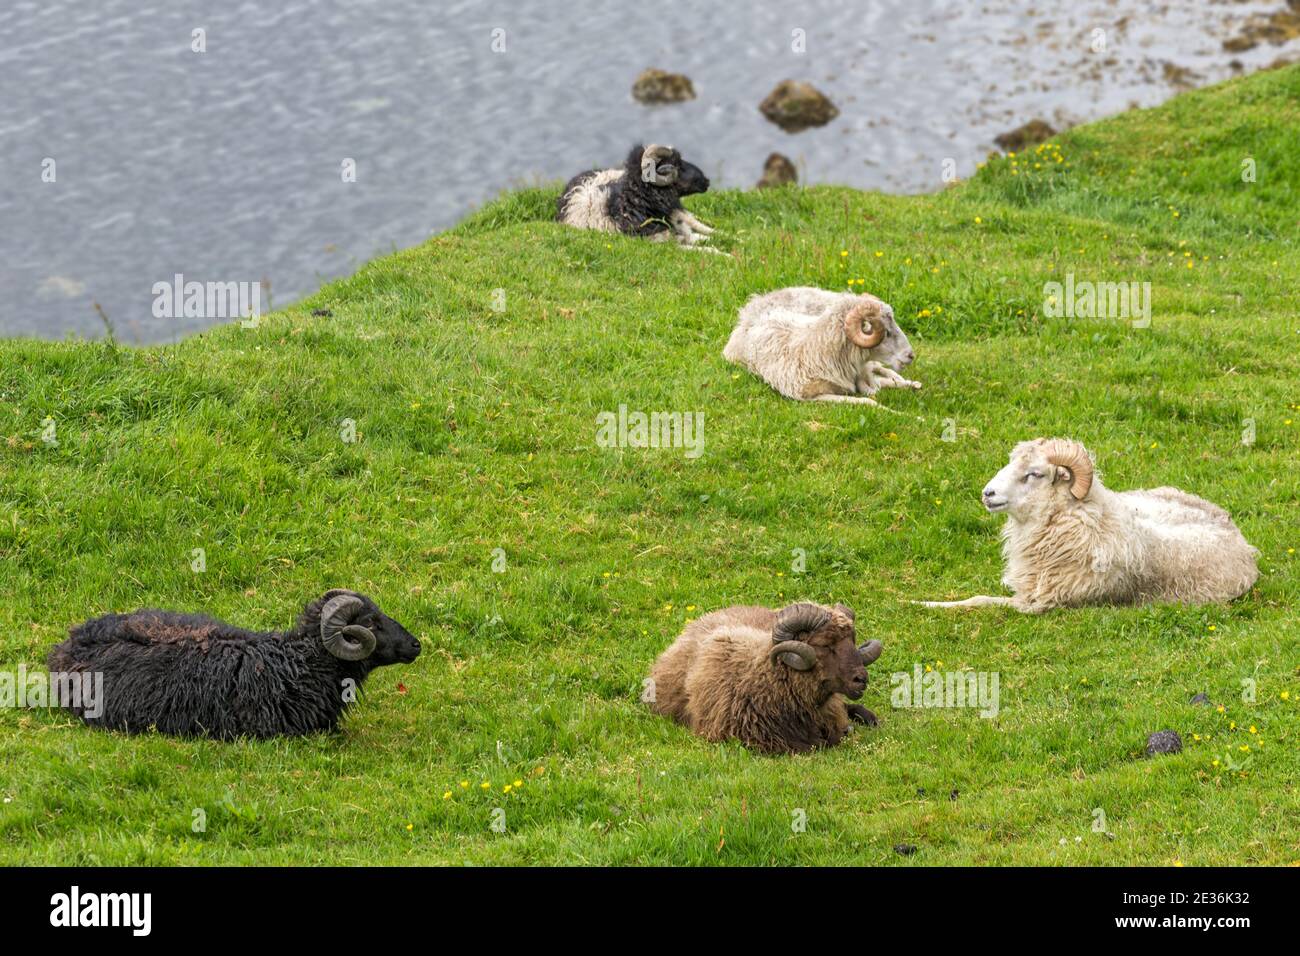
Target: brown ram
[775, 681]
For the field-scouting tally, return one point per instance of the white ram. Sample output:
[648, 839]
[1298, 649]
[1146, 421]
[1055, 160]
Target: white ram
[814, 345]
[1070, 541]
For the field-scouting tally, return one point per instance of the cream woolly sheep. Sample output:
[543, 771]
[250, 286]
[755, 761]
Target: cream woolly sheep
[811, 344]
[777, 682]
[1071, 541]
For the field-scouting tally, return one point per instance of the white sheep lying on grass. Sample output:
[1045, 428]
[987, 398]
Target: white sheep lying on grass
[1070, 541]
[815, 345]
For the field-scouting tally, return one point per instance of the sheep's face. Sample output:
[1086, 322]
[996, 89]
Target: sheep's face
[353, 628]
[1031, 485]
[840, 669]
[690, 178]
[395, 644]
[894, 349]
[672, 173]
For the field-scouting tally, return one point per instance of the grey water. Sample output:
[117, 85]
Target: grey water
[131, 152]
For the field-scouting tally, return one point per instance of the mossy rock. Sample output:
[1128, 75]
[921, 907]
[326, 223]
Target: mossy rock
[656, 87]
[1034, 132]
[796, 106]
[778, 171]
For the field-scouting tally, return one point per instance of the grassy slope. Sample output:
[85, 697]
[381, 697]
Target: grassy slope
[477, 432]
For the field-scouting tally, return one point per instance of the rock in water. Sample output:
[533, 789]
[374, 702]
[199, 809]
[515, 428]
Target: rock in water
[778, 171]
[1035, 131]
[1276, 28]
[1180, 77]
[1164, 742]
[655, 87]
[795, 106]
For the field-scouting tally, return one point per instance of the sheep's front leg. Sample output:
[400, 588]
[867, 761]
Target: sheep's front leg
[823, 391]
[854, 400]
[862, 715]
[681, 228]
[683, 224]
[684, 238]
[880, 376]
[834, 720]
[695, 225]
[689, 230]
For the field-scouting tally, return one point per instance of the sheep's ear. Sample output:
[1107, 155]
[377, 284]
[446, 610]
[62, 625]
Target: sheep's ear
[1063, 474]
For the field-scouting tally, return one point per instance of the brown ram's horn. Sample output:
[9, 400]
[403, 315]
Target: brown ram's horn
[864, 326]
[870, 651]
[795, 654]
[798, 619]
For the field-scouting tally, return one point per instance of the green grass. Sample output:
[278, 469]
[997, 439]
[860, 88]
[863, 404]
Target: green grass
[476, 431]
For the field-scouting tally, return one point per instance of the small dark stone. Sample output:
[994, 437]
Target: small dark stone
[1164, 742]
[954, 795]
[324, 313]
[1202, 699]
[1033, 132]
[920, 791]
[904, 849]
[778, 171]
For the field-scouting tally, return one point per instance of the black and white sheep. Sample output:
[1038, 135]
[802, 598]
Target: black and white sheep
[192, 675]
[642, 198]
[775, 681]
